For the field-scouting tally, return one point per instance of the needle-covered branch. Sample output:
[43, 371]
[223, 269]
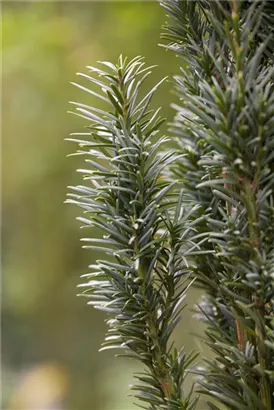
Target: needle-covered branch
[225, 128]
[143, 280]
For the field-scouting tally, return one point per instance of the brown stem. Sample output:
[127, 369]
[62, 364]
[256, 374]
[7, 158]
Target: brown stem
[240, 335]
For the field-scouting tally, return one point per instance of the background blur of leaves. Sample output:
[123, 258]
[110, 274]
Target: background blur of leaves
[50, 338]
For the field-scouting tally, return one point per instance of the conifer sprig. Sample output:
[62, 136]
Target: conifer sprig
[143, 280]
[225, 126]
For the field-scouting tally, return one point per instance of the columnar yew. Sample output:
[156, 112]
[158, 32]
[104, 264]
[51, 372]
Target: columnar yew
[201, 213]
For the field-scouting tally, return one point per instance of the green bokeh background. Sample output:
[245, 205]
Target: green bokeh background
[50, 338]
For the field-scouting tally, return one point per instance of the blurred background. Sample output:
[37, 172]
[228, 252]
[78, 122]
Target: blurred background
[50, 337]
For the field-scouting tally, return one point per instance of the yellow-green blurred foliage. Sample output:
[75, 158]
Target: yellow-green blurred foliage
[50, 338]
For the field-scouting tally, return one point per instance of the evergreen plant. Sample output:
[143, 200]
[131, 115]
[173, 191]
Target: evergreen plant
[200, 214]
